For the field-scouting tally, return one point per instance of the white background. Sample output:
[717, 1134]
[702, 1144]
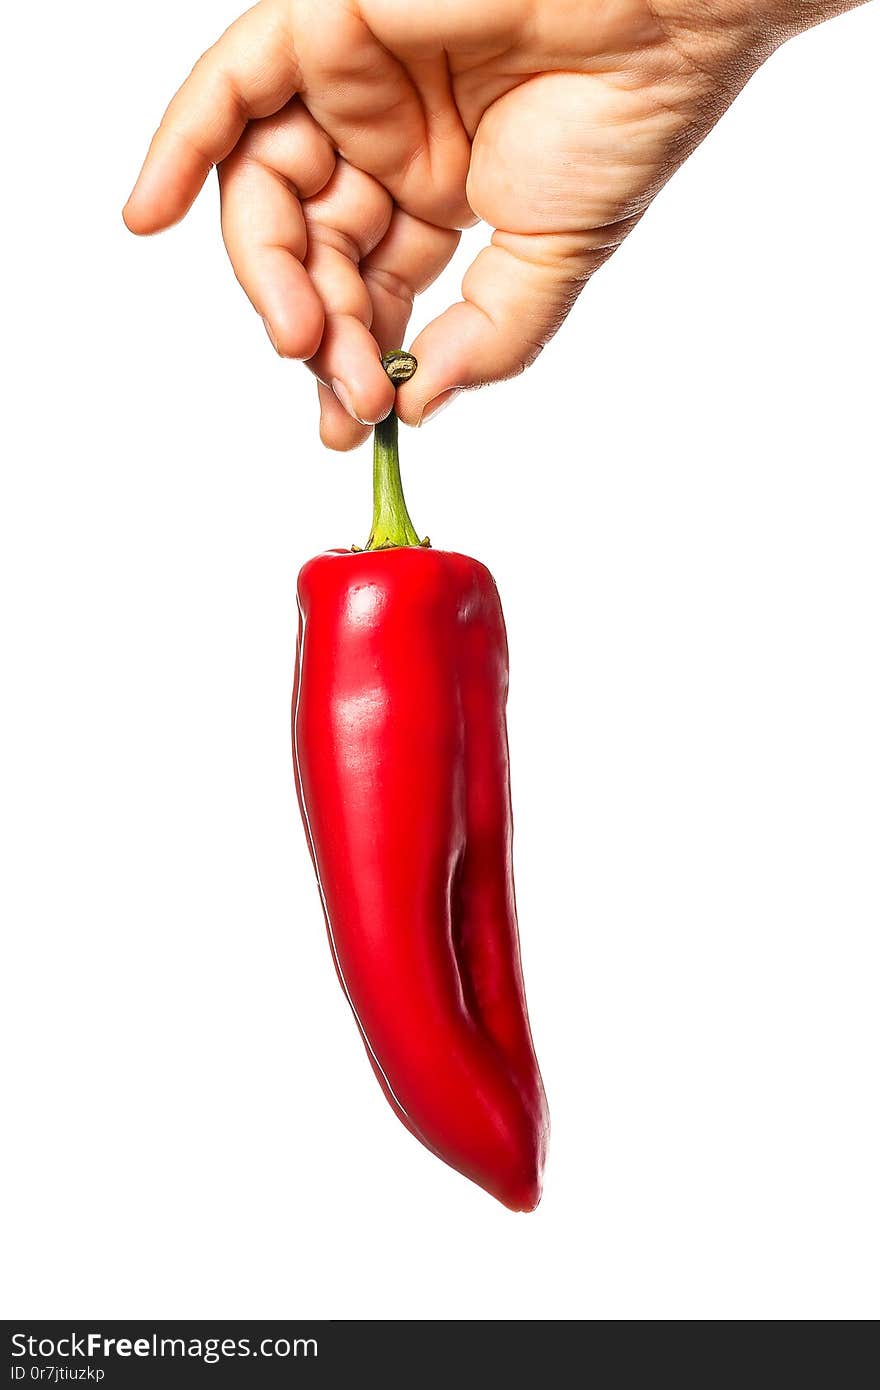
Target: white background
[681, 504]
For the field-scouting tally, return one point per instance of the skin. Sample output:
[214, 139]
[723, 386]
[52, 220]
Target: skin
[354, 139]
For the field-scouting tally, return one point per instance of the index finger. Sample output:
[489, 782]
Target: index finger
[251, 71]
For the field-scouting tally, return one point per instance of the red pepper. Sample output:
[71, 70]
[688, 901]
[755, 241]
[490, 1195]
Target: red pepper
[401, 762]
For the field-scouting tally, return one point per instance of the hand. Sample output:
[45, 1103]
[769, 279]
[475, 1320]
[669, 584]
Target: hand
[355, 138]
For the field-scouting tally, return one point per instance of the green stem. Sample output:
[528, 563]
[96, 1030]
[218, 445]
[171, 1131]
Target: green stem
[391, 520]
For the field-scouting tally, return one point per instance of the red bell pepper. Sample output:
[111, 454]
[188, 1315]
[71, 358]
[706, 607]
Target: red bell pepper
[401, 762]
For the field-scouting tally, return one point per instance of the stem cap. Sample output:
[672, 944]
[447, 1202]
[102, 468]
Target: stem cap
[399, 365]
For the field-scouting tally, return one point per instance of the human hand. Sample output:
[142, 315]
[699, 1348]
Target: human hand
[355, 138]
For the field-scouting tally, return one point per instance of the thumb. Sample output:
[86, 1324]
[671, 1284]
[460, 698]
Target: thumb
[515, 296]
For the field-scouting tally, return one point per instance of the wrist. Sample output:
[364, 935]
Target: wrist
[730, 39]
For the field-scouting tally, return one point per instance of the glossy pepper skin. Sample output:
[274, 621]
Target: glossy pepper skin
[401, 762]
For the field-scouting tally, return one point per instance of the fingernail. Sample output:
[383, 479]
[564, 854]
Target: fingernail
[340, 391]
[438, 403]
[271, 335]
